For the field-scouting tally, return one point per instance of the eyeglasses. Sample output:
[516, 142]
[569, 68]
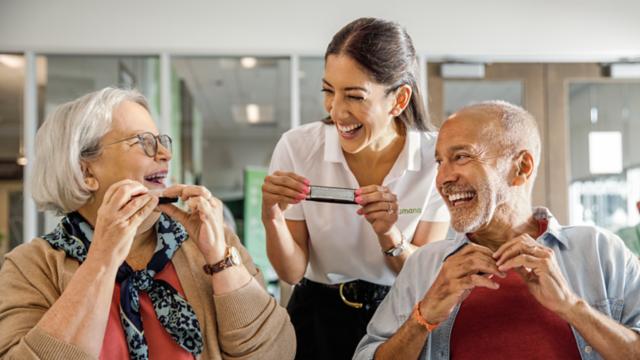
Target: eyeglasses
[149, 142]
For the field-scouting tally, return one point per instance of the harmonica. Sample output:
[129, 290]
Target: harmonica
[332, 194]
[163, 199]
[167, 200]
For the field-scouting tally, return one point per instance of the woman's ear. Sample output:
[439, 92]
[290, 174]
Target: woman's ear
[524, 168]
[402, 99]
[89, 178]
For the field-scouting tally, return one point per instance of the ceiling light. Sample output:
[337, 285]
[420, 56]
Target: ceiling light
[248, 62]
[462, 71]
[624, 70]
[253, 113]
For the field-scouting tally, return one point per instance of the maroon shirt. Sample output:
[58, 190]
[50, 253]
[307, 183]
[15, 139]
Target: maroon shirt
[509, 323]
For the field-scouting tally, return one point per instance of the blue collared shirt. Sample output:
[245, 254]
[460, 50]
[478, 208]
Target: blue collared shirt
[597, 265]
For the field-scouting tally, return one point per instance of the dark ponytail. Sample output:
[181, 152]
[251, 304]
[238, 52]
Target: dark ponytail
[384, 50]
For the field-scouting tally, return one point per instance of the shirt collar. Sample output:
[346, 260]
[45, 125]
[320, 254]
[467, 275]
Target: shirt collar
[410, 157]
[553, 228]
[539, 213]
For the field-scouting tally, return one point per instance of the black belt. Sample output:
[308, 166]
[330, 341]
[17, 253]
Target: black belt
[356, 294]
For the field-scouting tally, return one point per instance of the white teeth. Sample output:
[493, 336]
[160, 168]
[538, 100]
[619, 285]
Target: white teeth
[155, 177]
[460, 196]
[348, 127]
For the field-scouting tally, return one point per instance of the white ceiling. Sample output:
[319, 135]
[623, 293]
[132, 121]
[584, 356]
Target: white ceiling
[220, 85]
[508, 30]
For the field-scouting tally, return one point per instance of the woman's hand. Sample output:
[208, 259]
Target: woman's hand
[124, 207]
[203, 220]
[379, 207]
[279, 191]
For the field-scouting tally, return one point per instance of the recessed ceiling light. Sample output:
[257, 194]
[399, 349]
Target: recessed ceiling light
[248, 62]
[253, 113]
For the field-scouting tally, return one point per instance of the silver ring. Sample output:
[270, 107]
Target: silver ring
[389, 210]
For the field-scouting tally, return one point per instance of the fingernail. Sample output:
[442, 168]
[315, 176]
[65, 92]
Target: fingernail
[306, 182]
[358, 191]
[358, 199]
[307, 189]
[359, 211]
[301, 196]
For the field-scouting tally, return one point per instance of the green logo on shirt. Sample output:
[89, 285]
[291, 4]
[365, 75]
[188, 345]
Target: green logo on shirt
[407, 211]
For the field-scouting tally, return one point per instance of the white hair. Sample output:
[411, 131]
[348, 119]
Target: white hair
[70, 135]
[519, 128]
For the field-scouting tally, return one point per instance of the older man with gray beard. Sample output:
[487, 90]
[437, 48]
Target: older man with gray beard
[514, 284]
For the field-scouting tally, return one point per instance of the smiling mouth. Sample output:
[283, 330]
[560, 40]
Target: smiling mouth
[157, 177]
[461, 198]
[349, 129]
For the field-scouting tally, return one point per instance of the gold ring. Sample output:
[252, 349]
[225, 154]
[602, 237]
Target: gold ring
[355, 305]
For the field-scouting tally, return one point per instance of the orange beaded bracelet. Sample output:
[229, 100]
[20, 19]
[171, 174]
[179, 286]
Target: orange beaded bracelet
[421, 320]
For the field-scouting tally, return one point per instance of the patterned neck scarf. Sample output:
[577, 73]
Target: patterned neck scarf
[73, 235]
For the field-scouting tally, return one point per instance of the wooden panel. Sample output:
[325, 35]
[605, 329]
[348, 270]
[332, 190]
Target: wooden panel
[435, 96]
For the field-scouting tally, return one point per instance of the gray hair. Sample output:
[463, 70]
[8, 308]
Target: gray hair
[519, 128]
[70, 135]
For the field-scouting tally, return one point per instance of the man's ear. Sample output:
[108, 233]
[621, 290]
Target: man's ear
[402, 99]
[89, 178]
[524, 168]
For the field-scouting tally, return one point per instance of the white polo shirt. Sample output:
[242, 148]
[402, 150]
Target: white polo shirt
[342, 244]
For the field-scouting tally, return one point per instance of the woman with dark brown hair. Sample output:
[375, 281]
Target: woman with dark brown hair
[376, 140]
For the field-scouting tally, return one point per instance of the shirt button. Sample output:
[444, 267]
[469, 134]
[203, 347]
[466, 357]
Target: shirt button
[588, 349]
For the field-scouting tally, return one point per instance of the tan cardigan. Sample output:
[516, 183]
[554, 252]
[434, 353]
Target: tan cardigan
[244, 324]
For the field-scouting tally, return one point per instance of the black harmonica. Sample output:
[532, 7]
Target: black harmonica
[332, 194]
[167, 200]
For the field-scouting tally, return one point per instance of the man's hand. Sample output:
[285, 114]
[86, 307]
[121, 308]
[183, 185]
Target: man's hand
[538, 267]
[470, 267]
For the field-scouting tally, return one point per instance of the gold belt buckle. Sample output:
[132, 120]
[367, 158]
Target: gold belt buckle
[355, 305]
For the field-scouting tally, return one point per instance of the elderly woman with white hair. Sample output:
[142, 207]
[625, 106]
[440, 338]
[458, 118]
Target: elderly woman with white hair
[122, 275]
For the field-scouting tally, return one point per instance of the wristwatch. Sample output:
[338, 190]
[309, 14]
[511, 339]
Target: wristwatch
[398, 249]
[231, 258]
